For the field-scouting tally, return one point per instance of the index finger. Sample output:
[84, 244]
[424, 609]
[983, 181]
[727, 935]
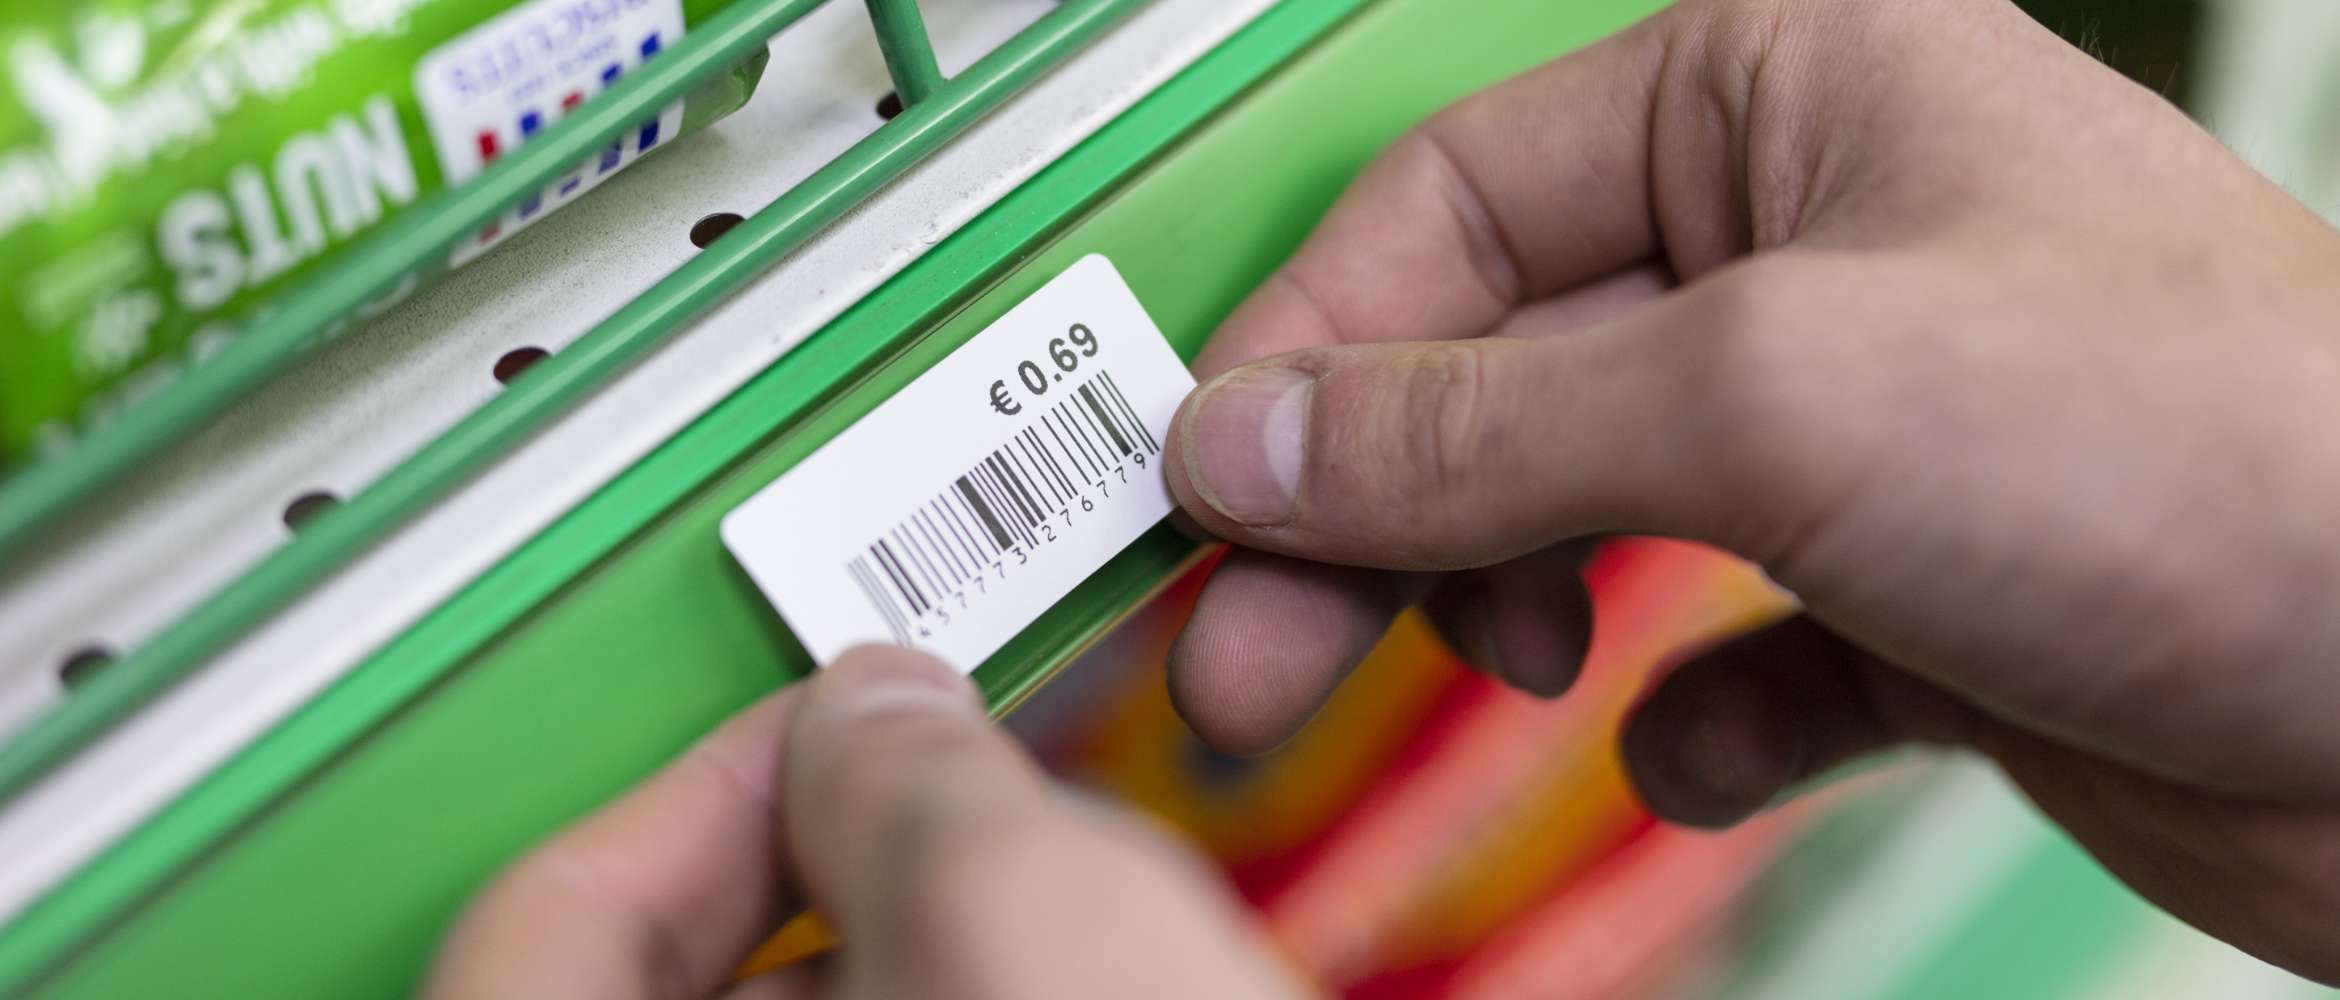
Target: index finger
[1507, 197]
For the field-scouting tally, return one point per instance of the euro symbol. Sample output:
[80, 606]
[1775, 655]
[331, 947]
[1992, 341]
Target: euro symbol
[1000, 400]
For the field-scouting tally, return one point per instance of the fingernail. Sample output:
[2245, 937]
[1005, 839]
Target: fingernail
[1244, 444]
[868, 688]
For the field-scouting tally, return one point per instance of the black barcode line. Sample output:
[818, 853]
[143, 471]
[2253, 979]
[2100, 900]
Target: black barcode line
[941, 543]
[1023, 483]
[1001, 505]
[1078, 465]
[950, 508]
[972, 496]
[1069, 414]
[1033, 484]
[993, 538]
[933, 556]
[909, 568]
[1113, 389]
[879, 570]
[1056, 460]
[892, 613]
[854, 569]
[908, 561]
[1006, 502]
[1034, 472]
[1108, 428]
[902, 584]
[1088, 395]
[1101, 448]
[909, 543]
[1034, 504]
[1040, 470]
[900, 620]
[957, 533]
[1016, 504]
[1048, 465]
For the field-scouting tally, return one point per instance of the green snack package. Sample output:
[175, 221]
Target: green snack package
[166, 166]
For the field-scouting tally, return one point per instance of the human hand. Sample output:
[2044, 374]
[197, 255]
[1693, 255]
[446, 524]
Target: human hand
[943, 858]
[2027, 387]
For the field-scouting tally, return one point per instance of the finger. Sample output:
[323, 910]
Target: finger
[804, 980]
[1605, 300]
[889, 743]
[1269, 640]
[664, 891]
[1528, 621]
[1600, 301]
[1534, 186]
[1730, 732]
[1242, 700]
[1710, 414]
[951, 867]
[1726, 734]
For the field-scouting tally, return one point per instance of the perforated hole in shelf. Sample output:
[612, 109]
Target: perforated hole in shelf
[307, 507]
[516, 361]
[84, 664]
[706, 231]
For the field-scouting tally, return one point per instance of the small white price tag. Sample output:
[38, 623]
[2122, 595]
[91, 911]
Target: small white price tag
[958, 511]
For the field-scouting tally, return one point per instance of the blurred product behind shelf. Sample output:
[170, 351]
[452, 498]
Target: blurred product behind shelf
[169, 166]
[2271, 90]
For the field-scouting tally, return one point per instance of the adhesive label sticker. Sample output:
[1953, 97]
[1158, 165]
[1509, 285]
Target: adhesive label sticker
[959, 510]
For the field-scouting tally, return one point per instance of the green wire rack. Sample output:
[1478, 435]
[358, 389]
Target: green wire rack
[935, 110]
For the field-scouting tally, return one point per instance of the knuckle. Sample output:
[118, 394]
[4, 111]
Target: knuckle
[1440, 401]
[1409, 440]
[1428, 155]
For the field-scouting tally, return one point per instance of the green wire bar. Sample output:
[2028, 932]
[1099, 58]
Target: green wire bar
[909, 53]
[554, 386]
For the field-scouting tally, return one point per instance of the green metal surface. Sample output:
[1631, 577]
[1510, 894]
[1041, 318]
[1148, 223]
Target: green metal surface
[625, 631]
[2058, 917]
[551, 388]
[1997, 902]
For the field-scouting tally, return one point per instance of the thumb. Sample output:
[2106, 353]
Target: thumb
[1456, 454]
[953, 867]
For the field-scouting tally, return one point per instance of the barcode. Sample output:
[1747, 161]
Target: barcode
[995, 514]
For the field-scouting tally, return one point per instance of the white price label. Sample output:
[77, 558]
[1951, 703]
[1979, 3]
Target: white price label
[958, 511]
